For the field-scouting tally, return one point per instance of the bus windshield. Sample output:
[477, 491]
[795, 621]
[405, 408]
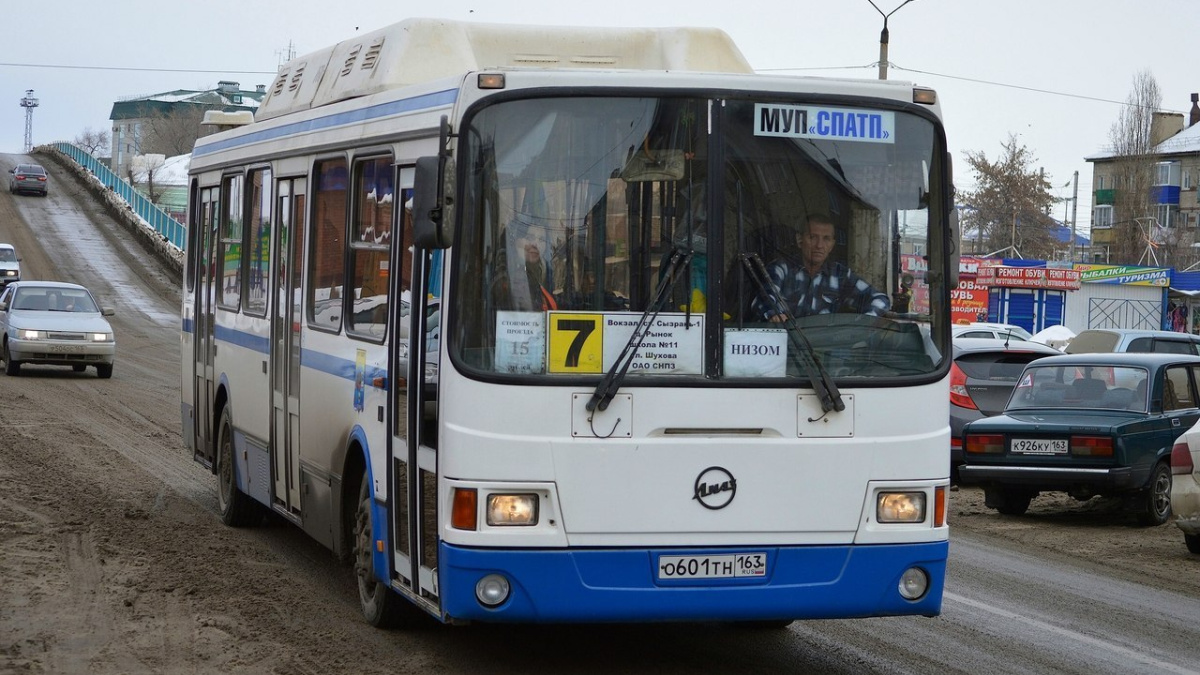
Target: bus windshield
[791, 218]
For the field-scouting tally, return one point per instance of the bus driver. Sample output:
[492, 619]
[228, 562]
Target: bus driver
[817, 285]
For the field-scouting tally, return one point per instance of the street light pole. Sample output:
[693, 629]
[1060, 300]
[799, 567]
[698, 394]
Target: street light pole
[883, 37]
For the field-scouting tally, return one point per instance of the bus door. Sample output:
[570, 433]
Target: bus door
[412, 450]
[286, 318]
[203, 387]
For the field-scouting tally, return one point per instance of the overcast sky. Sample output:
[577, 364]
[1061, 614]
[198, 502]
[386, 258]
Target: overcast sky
[1052, 72]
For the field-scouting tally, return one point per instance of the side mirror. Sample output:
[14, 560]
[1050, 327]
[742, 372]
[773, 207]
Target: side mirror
[107, 311]
[3, 306]
[433, 200]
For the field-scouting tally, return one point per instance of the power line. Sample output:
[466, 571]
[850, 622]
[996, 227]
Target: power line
[143, 70]
[972, 79]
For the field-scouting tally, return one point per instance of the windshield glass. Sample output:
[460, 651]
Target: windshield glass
[573, 207]
[1081, 386]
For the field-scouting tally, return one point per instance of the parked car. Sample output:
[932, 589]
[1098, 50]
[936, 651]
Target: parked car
[1068, 427]
[1094, 340]
[28, 178]
[1000, 331]
[10, 265]
[982, 376]
[54, 323]
[1185, 486]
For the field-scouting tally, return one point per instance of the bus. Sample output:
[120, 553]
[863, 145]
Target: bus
[480, 308]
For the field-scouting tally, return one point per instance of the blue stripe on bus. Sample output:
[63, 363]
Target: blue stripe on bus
[240, 338]
[597, 585]
[358, 116]
[325, 363]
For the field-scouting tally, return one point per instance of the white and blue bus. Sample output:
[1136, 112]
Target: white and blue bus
[480, 308]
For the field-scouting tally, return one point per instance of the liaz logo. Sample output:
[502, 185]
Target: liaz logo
[715, 488]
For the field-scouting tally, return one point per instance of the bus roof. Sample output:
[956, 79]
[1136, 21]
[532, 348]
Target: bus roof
[422, 50]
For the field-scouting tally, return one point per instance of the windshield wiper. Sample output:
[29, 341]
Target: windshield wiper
[612, 379]
[822, 383]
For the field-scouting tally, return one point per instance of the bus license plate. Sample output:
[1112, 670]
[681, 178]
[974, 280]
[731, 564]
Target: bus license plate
[1040, 446]
[735, 565]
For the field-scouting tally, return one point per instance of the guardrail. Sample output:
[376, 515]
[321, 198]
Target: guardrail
[160, 220]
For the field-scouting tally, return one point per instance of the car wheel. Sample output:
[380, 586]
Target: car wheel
[1193, 542]
[1007, 501]
[1155, 501]
[103, 370]
[237, 509]
[79, 367]
[381, 606]
[11, 367]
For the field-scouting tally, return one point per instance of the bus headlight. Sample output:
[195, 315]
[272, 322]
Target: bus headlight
[519, 509]
[900, 507]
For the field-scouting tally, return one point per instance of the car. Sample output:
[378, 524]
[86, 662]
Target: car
[54, 323]
[1095, 340]
[28, 178]
[990, 330]
[1185, 486]
[982, 376]
[1070, 427]
[10, 265]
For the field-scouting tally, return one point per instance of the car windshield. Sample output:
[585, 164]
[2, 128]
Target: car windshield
[1081, 386]
[8, 255]
[45, 299]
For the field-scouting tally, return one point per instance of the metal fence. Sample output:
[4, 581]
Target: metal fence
[160, 220]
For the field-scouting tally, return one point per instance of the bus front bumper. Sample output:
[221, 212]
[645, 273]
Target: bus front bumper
[623, 585]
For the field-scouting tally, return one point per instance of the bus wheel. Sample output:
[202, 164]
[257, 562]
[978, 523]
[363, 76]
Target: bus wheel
[381, 607]
[237, 509]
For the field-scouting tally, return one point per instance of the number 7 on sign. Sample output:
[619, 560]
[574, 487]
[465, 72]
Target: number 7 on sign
[576, 343]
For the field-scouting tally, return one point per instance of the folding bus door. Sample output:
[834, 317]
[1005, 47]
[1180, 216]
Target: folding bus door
[286, 319]
[203, 387]
[412, 450]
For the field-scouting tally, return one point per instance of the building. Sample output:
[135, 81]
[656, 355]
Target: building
[1171, 230]
[138, 126]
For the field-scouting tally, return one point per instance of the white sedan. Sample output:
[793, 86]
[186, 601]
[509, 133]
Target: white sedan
[1185, 486]
[54, 323]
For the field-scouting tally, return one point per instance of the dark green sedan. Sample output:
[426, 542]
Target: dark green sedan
[1087, 425]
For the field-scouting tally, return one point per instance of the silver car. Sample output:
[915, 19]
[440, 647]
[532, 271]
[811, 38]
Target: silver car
[54, 323]
[10, 265]
[28, 178]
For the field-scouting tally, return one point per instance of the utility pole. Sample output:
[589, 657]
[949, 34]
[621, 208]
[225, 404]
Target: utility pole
[883, 37]
[1074, 211]
[29, 103]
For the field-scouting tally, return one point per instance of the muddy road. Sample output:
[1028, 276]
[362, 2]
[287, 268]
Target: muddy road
[112, 559]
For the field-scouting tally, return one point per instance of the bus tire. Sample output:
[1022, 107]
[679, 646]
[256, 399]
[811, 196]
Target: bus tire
[381, 606]
[236, 508]
[1154, 504]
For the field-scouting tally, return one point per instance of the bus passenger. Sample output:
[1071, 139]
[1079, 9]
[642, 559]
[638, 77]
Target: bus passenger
[818, 286]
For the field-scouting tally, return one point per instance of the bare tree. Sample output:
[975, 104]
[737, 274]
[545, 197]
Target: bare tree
[142, 171]
[1010, 206]
[1131, 136]
[94, 142]
[174, 132]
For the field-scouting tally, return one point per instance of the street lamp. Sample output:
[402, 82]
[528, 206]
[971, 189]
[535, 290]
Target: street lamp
[883, 37]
